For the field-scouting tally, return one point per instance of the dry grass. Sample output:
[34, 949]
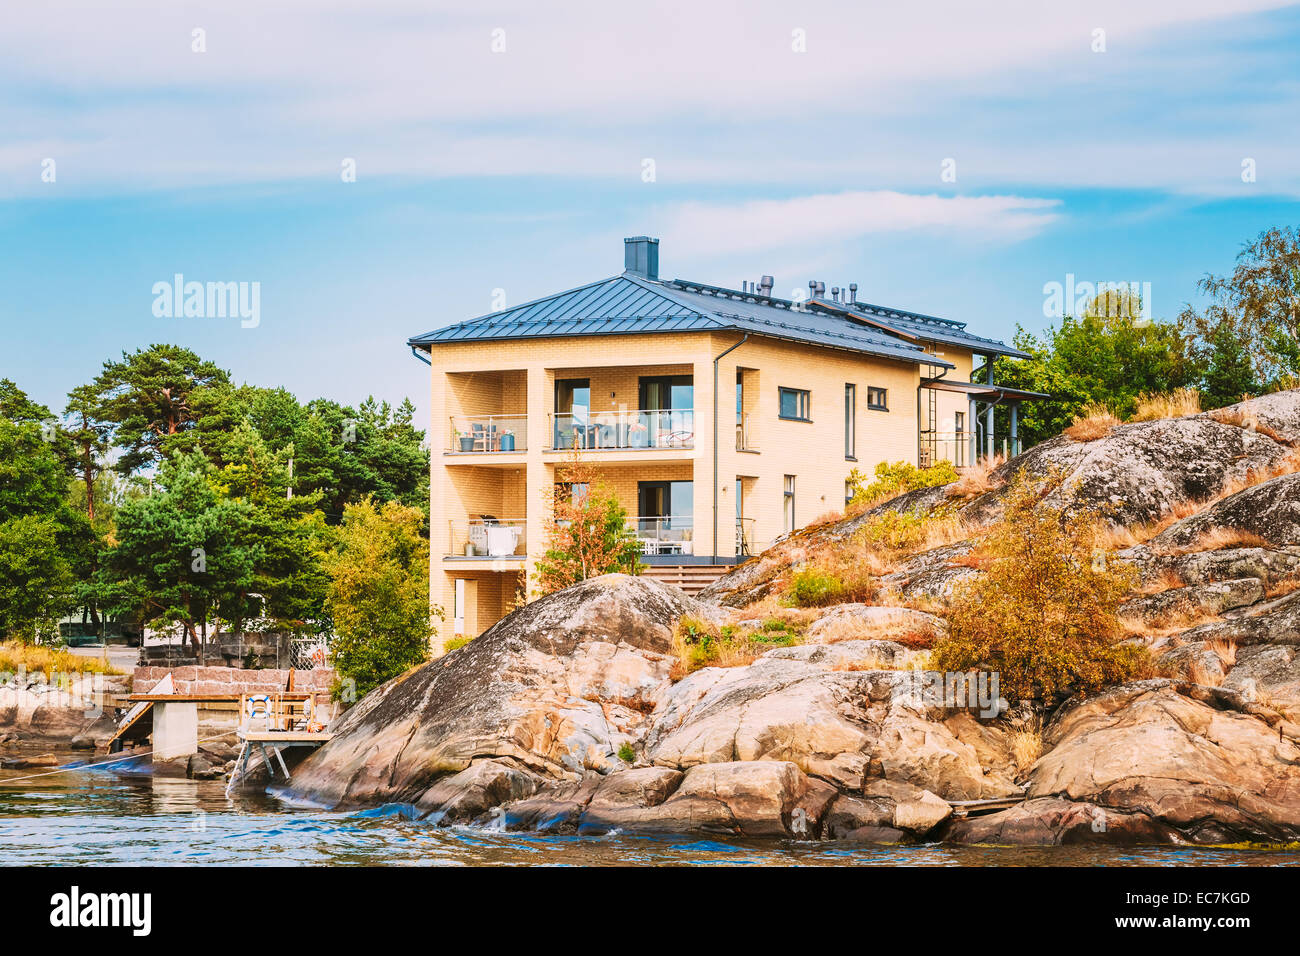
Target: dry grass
[1176, 404]
[1245, 416]
[1094, 421]
[882, 662]
[49, 660]
[1282, 586]
[977, 479]
[1199, 673]
[1168, 580]
[849, 627]
[822, 520]
[1217, 539]
[1026, 745]
[1225, 649]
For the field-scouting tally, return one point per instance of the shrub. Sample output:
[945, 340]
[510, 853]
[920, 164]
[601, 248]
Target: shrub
[894, 478]
[455, 643]
[586, 534]
[626, 753]
[699, 644]
[1045, 614]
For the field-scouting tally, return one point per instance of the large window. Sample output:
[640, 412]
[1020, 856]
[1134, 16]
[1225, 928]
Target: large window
[572, 414]
[851, 422]
[664, 392]
[794, 404]
[789, 503]
[878, 399]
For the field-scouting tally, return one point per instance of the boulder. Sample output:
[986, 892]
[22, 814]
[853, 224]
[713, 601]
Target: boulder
[1052, 821]
[1269, 510]
[552, 689]
[484, 784]
[1208, 599]
[1216, 776]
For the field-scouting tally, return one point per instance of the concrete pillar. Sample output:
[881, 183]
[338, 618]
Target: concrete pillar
[988, 416]
[704, 477]
[539, 477]
[175, 729]
[973, 418]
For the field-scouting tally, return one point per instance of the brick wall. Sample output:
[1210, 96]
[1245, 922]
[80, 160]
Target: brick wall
[234, 680]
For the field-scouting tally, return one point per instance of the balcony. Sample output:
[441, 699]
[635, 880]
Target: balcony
[490, 538]
[652, 428]
[664, 535]
[488, 433]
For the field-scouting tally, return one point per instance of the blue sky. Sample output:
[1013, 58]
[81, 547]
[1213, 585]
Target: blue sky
[504, 146]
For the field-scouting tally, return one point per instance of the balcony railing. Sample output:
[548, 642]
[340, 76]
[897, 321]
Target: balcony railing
[651, 428]
[673, 534]
[481, 433]
[488, 538]
[744, 440]
[745, 543]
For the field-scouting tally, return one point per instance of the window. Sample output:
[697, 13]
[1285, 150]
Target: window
[878, 399]
[848, 492]
[794, 404]
[789, 502]
[850, 421]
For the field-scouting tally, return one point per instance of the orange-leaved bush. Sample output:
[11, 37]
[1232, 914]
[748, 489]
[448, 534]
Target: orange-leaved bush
[1044, 616]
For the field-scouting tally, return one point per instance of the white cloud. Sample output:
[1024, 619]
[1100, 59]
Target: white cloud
[713, 91]
[699, 229]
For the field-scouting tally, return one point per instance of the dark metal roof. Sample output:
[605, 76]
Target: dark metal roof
[934, 329]
[627, 304]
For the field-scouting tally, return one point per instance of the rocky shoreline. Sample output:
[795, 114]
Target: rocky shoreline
[567, 716]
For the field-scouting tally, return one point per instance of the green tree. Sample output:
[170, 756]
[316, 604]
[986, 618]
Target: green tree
[1229, 372]
[1255, 306]
[1108, 356]
[378, 594]
[185, 555]
[586, 533]
[37, 531]
[153, 398]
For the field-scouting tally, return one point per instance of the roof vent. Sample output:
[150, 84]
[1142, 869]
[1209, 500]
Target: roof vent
[765, 285]
[641, 257]
[853, 293]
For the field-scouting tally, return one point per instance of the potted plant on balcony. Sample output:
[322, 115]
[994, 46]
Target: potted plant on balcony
[508, 440]
[463, 441]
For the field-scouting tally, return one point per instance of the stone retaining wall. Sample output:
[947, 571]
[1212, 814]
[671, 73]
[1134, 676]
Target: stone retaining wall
[235, 680]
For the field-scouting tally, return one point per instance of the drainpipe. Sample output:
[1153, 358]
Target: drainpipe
[421, 356]
[716, 360]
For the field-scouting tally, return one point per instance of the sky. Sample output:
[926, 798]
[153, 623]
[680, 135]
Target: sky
[375, 169]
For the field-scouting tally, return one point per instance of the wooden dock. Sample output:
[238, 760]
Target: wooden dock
[271, 724]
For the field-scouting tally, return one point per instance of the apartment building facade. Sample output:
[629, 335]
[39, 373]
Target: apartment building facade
[722, 418]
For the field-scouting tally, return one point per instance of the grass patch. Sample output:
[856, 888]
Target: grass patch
[1095, 420]
[698, 643]
[35, 658]
[1176, 404]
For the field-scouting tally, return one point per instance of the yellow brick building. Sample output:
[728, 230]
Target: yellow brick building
[722, 418]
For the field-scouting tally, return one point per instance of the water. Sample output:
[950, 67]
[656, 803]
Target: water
[96, 817]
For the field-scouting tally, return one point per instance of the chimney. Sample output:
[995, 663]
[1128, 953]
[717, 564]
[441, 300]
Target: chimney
[641, 257]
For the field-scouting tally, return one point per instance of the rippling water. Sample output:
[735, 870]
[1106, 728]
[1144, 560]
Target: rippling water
[98, 817]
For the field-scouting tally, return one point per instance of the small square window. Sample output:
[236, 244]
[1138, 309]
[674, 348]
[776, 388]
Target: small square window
[794, 404]
[878, 399]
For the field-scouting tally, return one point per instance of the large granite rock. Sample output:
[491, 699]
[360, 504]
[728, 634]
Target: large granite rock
[552, 690]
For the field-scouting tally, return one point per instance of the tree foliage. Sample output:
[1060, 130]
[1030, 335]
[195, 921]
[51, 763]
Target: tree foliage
[378, 593]
[1044, 616]
[586, 532]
